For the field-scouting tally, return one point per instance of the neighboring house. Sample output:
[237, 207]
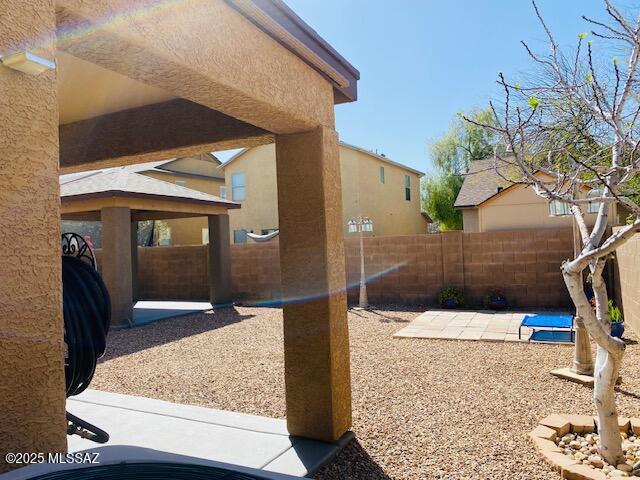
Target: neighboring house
[198, 173]
[372, 186]
[489, 202]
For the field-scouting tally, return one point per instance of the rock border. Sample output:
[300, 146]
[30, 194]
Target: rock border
[557, 425]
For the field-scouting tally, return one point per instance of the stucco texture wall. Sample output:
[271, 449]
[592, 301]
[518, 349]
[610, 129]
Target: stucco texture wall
[517, 208]
[32, 396]
[628, 285]
[259, 210]
[407, 269]
[362, 192]
[208, 53]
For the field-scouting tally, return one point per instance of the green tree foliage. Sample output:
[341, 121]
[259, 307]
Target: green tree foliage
[440, 193]
[464, 142]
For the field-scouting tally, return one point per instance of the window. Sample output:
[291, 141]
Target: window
[223, 192]
[164, 236]
[381, 174]
[593, 207]
[238, 186]
[559, 209]
[182, 183]
[205, 236]
[240, 236]
[407, 188]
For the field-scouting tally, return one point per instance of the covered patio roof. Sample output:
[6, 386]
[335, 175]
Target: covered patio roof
[126, 81]
[120, 198]
[84, 195]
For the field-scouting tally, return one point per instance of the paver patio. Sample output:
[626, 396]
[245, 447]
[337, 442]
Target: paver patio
[485, 325]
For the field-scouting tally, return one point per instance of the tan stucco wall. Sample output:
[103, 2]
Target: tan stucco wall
[32, 397]
[208, 53]
[188, 231]
[471, 220]
[362, 192]
[260, 208]
[519, 208]
[628, 284]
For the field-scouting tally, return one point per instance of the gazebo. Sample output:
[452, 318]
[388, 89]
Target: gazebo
[93, 84]
[120, 198]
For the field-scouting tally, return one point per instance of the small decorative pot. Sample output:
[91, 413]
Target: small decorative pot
[617, 329]
[498, 303]
[450, 303]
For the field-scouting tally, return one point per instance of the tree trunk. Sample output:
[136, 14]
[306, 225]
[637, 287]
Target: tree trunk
[608, 358]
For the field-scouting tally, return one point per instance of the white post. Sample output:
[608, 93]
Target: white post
[364, 302]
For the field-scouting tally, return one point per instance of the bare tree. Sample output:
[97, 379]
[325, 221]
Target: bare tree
[571, 129]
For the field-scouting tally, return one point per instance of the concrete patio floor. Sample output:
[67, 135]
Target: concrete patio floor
[147, 311]
[231, 438]
[482, 325]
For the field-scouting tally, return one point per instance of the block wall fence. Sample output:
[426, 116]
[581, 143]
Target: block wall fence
[411, 269]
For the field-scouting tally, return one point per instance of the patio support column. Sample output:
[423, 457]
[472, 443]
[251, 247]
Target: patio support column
[219, 260]
[316, 337]
[134, 260]
[116, 262]
[32, 384]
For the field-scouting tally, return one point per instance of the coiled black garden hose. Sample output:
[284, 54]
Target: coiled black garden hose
[87, 314]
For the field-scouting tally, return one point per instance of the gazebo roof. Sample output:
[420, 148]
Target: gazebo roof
[123, 182]
[149, 197]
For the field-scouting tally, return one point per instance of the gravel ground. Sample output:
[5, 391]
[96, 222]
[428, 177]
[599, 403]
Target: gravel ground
[421, 408]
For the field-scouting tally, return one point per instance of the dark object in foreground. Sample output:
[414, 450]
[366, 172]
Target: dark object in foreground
[87, 314]
[148, 471]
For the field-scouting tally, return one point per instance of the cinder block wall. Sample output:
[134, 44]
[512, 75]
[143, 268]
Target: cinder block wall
[401, 269]
[628, 281]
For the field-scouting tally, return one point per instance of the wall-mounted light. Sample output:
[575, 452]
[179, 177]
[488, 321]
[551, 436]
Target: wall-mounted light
[27, 62]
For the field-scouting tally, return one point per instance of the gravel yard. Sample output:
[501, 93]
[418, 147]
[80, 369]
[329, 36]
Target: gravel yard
[422, 409]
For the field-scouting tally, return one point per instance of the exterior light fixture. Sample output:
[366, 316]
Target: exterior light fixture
[359, 225]
[27, 62]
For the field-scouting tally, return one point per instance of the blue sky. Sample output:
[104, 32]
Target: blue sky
[421, 61]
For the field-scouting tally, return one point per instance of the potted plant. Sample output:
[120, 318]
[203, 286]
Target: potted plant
[615, 318]
[617, 322]
[451, 297]
[497, 300]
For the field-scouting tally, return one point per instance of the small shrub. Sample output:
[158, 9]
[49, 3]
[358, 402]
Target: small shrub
[615, 315]
[451, 293]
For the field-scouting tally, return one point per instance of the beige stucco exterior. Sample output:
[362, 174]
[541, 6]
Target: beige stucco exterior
[256, 82]
[362, 192]
[518, 208]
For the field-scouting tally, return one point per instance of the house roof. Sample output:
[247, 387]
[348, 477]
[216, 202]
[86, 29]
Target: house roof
[382, 158]
[483, 182]
[124, 182]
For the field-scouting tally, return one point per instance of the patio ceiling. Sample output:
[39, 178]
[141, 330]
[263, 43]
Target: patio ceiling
[130, 89]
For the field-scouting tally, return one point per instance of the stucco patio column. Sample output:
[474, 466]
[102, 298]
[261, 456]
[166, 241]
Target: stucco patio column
[219, 260]
[316, 338]
[134, 260]
[116, 262]
[32, 396]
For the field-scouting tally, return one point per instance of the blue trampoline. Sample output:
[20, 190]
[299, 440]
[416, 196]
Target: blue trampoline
[549, 328]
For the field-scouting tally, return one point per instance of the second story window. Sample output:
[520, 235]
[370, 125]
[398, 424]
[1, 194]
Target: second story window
[238, 187]
[407, 188]
[559, 209]
[223, 192]
[381, 174]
